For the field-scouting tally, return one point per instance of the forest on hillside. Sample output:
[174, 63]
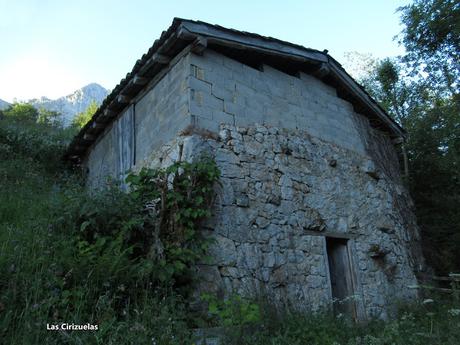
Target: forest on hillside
[52, 230]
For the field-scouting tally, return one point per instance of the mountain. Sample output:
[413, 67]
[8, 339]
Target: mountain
[72, 104]
[3, 104]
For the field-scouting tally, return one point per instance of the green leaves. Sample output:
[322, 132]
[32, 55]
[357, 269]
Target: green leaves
[115, 259]
[234, 311]
[81, 119]
[154, 228]
[432, 39]
[22, 112]
[41, 142]
[421, 92]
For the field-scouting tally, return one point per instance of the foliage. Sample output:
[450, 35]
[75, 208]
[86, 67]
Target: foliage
[41, 142]
[432, 39]
[436, 323]
[21, 111]
[49, 117]
[420, 90]
[234, 311]
[84, 117]
[359, 65]
[25, 112]
[70, 256]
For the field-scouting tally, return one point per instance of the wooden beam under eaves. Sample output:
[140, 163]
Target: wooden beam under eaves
[105, 117]
[88, 137]
[137, 80]
[108, 114]
[96, 126]
[123, 99]
[199, 45]
[156, 59]
[322, 70]
[80, 147]
[160, 59]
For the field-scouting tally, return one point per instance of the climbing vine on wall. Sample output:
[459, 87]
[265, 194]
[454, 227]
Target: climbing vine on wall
[175, 200]
[147, 238]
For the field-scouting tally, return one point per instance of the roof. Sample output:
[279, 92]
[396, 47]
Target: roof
[246, 47]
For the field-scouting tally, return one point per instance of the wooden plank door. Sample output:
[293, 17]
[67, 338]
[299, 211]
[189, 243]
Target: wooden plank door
[341, 276]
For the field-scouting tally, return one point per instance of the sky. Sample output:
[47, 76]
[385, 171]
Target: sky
[53, 47]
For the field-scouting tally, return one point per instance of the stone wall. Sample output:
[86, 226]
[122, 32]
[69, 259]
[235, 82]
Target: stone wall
[282, 192]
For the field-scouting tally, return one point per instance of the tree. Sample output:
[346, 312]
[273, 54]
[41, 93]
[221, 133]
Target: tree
[421, 91]
[22, 112]
[432, 39]
[433, 150]
[49, 117]
[83, 118]
[359, 65]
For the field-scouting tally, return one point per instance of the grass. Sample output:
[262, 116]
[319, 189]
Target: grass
[46, 278]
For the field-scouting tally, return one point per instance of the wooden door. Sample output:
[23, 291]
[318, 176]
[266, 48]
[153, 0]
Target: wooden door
[341, 276]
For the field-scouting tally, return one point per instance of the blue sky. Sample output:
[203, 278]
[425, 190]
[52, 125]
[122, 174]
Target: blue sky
[50, 48]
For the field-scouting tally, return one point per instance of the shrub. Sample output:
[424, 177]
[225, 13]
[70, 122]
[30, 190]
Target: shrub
[22, 112]
[70, 256]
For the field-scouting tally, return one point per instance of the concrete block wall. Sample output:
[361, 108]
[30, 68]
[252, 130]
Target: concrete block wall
[163, 112]
[159, 116]
[211, 90]
[226, 91]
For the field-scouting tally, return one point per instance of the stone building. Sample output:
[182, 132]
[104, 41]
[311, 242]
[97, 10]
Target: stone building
[311, 206]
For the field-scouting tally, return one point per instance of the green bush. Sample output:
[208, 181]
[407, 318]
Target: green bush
[70, 256]
[437, 323]
[39, 142]
[234, 311]
[81, 119]
[23, 112]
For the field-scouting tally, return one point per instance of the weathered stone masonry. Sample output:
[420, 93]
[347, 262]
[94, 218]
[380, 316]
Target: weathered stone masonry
[309, 188]
[282, 191]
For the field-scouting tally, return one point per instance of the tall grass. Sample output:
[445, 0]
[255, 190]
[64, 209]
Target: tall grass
[48, 277]
[43, 278]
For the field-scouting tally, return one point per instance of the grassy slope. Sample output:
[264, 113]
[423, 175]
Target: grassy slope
[38, 260]
[44, 278]
[29, 195]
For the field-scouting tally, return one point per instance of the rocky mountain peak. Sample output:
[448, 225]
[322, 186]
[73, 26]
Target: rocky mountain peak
[3, 104]
[74, 103]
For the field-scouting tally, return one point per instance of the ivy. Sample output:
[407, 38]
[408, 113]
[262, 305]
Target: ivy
[153, 231]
